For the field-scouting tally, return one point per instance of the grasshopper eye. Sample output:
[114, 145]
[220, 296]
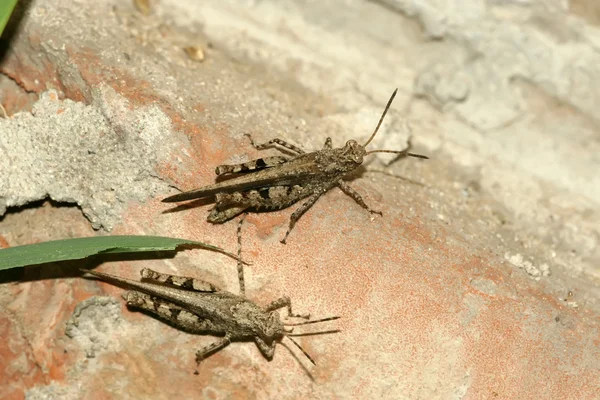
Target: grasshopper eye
[356, 150]
[273, 326]
[350, 147]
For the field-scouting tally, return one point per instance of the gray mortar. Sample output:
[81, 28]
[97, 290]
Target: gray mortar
[94, 324]
[53, 391]
[100, 157]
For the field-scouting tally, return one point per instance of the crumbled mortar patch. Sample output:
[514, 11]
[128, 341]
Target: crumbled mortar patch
[533, 271]
[100, 156]
[94, 324]
[51, 392]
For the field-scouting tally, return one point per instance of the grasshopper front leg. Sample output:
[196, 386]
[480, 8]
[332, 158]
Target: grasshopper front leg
[286, 302]
[356, 196]
[267, 350]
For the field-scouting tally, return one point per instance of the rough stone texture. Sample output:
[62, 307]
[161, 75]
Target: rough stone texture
[481, 280]
[98, 157]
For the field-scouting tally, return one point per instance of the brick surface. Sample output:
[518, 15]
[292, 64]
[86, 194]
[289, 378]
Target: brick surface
[433, 302]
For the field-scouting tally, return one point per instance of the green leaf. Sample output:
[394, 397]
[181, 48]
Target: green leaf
[78, 248]
[6, 9]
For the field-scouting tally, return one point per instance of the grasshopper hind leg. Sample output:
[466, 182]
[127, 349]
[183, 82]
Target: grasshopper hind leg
[240, 265]
[172, 313]
[182, 282]
[219, 216]
[250, 166]
[356, 197]
[293, 148]
[230, 205]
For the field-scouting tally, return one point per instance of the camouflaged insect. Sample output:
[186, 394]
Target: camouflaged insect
[198, 306]
[277, 182]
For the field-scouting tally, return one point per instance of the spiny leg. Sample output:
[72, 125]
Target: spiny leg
[287, 303]
[267, 350]
[312, 199]
[168, 311]
[212, 348]
[327, 145]
[279, 142]
[357, 197]
[240, 266]
[254, 165]
[265, 198]
[217, 216]
[182, 282]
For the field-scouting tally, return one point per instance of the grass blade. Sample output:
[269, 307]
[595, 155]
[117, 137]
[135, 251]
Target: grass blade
[78, 248]
[6, 9]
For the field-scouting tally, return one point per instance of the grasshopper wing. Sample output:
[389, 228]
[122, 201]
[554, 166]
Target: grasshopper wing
[290, 173]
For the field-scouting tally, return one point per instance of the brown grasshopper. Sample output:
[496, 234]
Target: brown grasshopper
[273, 183]
[198, 306]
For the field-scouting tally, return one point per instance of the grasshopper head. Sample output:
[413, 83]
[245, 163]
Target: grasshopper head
[270, 328]
[273, 330]
[353, 153]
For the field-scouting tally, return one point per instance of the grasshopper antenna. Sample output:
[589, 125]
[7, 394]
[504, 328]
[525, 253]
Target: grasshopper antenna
[302, 350]
[289, 333]
[387, 107]
[289, 336]
[403, 152]
[312, 322]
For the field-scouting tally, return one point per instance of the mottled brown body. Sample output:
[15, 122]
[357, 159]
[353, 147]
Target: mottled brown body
[198, 306]
[277, 182]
